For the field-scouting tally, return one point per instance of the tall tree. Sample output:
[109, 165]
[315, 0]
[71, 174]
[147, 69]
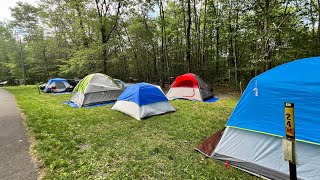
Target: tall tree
[104, 10]
[188, 51]
[218, 39]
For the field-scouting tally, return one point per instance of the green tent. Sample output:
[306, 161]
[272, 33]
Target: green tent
[94, 89]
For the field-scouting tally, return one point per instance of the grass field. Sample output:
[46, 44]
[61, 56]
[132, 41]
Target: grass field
[100, 143]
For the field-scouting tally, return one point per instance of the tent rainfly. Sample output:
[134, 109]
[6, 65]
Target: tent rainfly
[252, 139]
[189, 86]
[56, 85]
[94, 89]
[143, 100]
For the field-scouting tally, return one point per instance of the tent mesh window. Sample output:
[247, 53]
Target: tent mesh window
[60, 85]
[185, 83]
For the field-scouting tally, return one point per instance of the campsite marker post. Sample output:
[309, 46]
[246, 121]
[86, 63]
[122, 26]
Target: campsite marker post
[289, 144]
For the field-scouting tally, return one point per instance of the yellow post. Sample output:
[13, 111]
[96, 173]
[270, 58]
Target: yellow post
[289, 142]
[289, 120]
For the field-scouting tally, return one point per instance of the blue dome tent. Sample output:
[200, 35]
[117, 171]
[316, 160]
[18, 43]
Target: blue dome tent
[56, 85]
[252, 139]
[142, 100]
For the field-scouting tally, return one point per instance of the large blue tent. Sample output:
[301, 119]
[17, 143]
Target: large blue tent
[261, 107]
[252, 140]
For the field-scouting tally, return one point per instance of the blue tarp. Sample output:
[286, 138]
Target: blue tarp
[142, 94]
[72, 104]
[211, 100]
[60, 93]
[261, 107]
[75, 105]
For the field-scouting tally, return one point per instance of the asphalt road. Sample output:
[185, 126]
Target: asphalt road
[15, 160]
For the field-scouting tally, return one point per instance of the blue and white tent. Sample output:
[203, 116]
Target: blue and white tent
[56, 85]
[142, 100]
[252, 139]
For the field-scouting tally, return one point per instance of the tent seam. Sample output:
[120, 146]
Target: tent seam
[300, 140]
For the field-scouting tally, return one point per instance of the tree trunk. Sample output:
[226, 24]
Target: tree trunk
[83, 34]
[312, 19]
[134, 53]
[258, 37]
[266, 36]
[105, 37]
[163, 45]
[188, 52]
[203, 51]
[45, 62]
[231, 58]
[24, 71]
[212, 56]
[197, 40]
[185, 35]
[236, 48]
[256, 58]
[319, 19]
[217, 51]
[217, 73]
[177, 50]
[104, 48]
[154, 52]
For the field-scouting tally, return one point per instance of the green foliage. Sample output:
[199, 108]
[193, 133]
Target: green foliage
[231, 41]
[10, 67]
[100, 143]
[25, 16]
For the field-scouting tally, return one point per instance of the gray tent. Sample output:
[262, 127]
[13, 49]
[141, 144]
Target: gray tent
[94, 89]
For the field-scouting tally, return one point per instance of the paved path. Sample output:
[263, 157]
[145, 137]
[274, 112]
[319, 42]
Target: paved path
[15, 161]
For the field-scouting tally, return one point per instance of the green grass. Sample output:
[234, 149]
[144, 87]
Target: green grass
[100, 143]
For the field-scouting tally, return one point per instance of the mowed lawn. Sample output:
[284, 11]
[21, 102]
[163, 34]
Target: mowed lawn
[100, 143]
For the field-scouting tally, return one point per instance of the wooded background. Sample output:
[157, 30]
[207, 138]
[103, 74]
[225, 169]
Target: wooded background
[223, 41]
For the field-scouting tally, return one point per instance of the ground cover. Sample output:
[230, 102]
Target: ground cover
[100, 143]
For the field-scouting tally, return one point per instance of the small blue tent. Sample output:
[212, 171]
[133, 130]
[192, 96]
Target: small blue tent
[142, 100]
[56, 85]
[252, 140]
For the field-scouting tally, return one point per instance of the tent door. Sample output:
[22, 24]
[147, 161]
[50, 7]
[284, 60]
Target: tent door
[193, 93]
[59, 87]
[188, 93]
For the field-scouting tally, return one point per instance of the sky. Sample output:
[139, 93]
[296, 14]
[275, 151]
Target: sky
[5, 13]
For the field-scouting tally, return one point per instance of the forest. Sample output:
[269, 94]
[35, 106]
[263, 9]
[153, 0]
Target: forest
[223, 41]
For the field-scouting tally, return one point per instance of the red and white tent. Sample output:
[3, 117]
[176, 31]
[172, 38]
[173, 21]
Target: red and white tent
[189, 86]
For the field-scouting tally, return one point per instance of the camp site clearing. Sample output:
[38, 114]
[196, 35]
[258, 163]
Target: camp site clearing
[100, 143]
